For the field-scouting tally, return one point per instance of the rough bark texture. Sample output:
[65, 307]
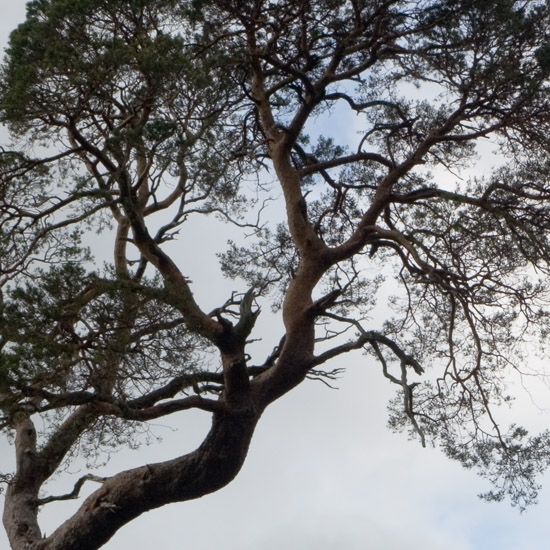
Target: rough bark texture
[129, 494]
[20, 510]
[174, 125]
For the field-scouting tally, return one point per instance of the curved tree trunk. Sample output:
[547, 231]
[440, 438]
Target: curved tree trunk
[128, 494]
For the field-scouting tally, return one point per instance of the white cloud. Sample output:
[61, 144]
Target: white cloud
[323, 473]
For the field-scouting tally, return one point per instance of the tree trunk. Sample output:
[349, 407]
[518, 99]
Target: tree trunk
[128, 494]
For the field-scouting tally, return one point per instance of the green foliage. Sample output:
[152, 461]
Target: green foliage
[70, 58]
[512, 471]
[130, 118]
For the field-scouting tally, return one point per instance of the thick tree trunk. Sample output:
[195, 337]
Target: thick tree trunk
[20, 515]
[127, 495]
[20, 509]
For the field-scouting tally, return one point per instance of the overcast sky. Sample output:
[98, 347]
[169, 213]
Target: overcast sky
[323, 472]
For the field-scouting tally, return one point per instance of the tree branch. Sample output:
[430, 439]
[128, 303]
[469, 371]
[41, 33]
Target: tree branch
[74, 494]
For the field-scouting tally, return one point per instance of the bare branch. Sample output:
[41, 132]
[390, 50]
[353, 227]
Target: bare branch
[75, 493]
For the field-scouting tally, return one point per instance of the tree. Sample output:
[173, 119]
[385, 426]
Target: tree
[131, 118]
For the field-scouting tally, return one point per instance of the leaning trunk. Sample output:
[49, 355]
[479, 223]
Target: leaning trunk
[127, 495]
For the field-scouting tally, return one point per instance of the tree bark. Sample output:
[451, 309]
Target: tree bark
[129, 494]
[20, 509]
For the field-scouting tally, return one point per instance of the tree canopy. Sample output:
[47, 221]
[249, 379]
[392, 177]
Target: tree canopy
[130, 120]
